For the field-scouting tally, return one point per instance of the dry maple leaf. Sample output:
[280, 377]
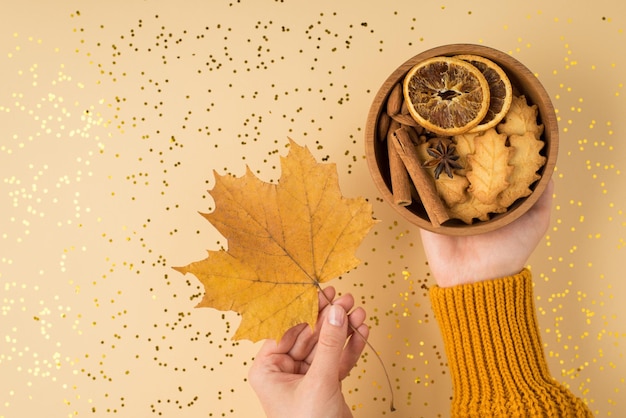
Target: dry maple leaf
[284, 240]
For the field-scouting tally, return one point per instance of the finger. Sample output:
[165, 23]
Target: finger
[353, 349]
[325, 365]
[359, 332]
[305, 342]
[285, 344]
[295, 337]
[326, 295]
[271, 356]
[345, 301]
[356, 318]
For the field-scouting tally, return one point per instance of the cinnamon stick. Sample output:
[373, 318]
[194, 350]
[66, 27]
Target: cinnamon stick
[400, 182]
[426, 189]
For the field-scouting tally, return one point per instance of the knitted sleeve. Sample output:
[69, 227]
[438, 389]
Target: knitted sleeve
[495, 354]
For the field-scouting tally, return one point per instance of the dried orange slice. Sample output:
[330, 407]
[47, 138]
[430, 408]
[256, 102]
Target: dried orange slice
[500, 90]
[446, 95]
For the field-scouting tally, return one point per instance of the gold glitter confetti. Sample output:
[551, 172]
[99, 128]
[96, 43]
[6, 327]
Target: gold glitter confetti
[113, 116]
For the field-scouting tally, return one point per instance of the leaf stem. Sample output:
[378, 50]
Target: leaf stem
[371, 347]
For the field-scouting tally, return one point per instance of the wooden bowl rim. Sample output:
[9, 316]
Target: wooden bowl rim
[536, 94]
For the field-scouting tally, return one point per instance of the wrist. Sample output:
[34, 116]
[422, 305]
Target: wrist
[469, 274]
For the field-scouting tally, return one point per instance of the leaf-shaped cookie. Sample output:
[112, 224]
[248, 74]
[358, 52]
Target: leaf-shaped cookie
[526, 161]
[464, 147]
[283, 241]
[473, 208]
[452, 190]
[520, 119]
[489, 166]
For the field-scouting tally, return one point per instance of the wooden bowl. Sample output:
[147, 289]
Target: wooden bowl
[523, 80]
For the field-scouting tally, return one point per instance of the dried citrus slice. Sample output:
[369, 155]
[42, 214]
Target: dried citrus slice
[500, 90]
[446, 95]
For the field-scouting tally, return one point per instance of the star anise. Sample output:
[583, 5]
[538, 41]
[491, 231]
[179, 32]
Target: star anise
[444, 158]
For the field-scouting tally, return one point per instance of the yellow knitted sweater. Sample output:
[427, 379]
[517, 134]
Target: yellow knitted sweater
[495, 353]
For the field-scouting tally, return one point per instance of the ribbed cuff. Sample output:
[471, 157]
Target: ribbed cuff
[495, 353]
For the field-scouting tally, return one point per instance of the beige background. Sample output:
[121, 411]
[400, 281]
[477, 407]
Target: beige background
[114, 115]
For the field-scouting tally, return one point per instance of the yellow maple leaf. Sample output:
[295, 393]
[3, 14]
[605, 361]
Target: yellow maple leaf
[284, 240]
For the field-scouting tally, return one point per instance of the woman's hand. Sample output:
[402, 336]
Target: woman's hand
[456, 260]
[301, 375]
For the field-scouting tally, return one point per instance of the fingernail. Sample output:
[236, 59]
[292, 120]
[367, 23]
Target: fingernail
[336, 315]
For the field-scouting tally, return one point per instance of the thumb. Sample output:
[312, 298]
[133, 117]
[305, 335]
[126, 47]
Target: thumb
[325, 365]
